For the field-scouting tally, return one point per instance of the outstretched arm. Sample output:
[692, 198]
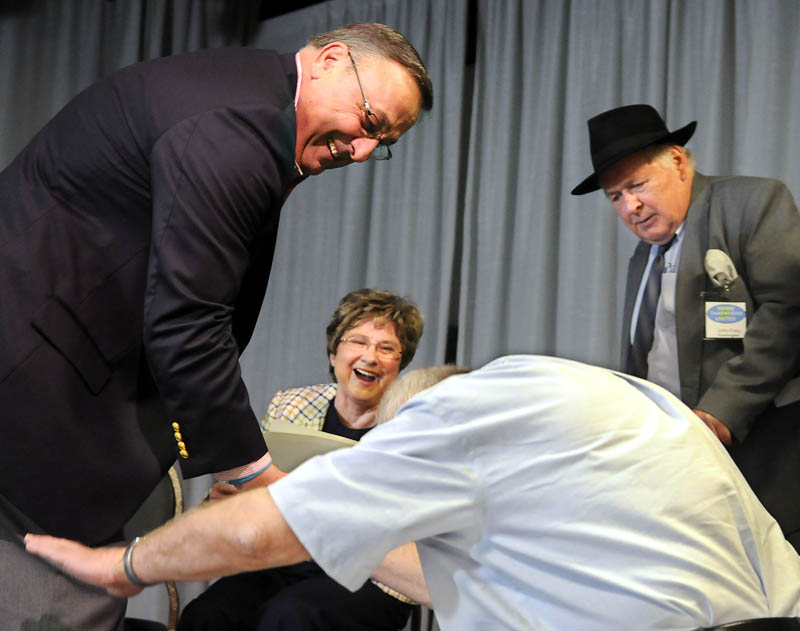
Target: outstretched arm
[243, 533]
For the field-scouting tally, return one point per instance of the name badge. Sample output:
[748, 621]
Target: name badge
[725, 320]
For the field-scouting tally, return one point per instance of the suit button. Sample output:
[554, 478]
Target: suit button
[176, 427]
[178, 436]
[183, 453]
[181, 445]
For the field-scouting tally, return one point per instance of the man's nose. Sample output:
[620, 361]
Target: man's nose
[361, 148]
[631, 202]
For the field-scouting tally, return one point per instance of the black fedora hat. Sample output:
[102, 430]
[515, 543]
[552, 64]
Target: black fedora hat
[617, 133]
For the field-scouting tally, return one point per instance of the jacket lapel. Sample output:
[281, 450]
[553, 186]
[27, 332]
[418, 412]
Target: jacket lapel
[636, 267]
[689, 321]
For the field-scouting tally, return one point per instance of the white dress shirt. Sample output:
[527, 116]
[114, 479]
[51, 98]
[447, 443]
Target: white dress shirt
[662, 360]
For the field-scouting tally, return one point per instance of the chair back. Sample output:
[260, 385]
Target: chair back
[164, 503]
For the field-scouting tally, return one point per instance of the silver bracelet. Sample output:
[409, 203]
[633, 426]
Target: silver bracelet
[126, 563]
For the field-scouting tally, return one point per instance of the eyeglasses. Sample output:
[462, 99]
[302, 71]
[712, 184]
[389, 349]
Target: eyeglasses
[371, 123]
[384, 350]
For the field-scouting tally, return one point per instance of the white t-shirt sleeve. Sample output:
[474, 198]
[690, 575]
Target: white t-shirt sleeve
[405, 481]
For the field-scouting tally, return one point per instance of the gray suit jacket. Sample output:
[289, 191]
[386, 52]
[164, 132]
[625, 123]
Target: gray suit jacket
[756, 223]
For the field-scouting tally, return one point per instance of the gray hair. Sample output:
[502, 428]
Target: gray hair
[371, 39]
[411, 384]
[660, 154]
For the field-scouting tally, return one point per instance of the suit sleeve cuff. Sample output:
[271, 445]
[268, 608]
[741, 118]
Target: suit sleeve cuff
[255, 467]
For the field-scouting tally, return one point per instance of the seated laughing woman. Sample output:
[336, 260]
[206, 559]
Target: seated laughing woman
[371, 337]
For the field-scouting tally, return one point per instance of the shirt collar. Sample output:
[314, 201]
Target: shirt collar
[297, 96]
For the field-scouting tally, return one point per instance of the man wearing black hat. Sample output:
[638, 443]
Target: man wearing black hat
[712, 305]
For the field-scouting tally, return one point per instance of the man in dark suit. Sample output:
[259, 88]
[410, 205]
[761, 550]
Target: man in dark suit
[137, 231]
[722, 330]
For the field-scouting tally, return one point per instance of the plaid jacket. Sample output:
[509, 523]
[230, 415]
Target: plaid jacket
[306, 406]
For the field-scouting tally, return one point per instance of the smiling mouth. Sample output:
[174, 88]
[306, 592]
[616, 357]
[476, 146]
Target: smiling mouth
[366, 376]
[332, 148]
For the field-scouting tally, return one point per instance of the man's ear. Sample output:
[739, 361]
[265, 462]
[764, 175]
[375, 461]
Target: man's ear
[328, 58]
[680, 160]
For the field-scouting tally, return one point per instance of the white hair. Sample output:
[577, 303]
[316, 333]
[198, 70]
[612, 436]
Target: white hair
[411, 384]
[662, 155]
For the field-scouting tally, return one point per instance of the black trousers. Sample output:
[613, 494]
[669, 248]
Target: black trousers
[296, 598]
[769, 458]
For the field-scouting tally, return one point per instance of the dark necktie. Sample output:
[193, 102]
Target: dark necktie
[645, 324]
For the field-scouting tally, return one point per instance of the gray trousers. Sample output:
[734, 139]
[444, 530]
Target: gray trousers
[34, 596]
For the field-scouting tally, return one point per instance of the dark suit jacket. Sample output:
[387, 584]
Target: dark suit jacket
[756, 223]
[136, 236]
